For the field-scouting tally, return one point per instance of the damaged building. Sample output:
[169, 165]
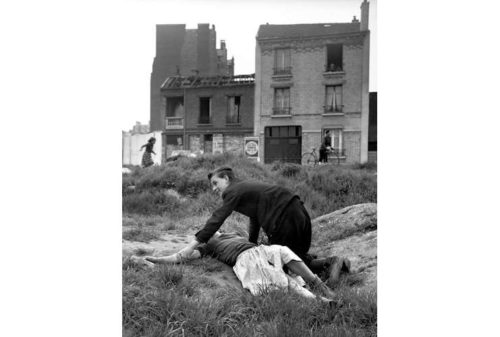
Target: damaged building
[207, 114]
[184, 52]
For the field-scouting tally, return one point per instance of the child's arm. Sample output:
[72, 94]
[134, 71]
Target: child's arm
[174, 258]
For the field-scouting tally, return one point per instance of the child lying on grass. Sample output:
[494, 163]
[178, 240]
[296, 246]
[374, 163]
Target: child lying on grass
[258, 267]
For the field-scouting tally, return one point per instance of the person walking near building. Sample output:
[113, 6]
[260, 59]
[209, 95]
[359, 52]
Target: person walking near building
[146, 157]
[326, 145]
[279, 212]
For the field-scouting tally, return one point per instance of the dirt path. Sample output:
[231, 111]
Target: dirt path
[168, 243]
[171, 243]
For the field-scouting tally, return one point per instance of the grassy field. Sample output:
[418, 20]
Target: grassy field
[184, 300]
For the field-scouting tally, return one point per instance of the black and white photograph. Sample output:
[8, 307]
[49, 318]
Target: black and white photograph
[257, 160]
[249, 191]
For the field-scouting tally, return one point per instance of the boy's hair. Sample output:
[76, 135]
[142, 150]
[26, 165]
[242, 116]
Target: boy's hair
[221, 172]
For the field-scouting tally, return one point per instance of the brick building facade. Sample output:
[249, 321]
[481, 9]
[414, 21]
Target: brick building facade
[184, 52]
[207, 114]
[310, 78]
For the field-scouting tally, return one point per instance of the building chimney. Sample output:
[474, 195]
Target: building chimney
[222, 44]
[364, 15]
[355, 20]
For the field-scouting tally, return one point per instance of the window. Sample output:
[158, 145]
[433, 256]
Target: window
[205, 114]
[336, 136]
[233, 109]
[334, 57]
[175, 140]
[333, 99]
[282, 64]
[283, 131]
[175, 107]
[281, 101]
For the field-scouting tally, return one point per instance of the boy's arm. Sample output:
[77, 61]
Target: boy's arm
[186, 252]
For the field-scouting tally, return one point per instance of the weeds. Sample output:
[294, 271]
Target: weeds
[324, 189]
[186, 300]
[167, 301]
[140, 234]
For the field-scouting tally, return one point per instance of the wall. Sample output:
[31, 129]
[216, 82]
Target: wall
[131, 155]
[178, 48]
[307, 91]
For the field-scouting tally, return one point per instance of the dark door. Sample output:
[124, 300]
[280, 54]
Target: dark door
[207, 143]
[282, 143]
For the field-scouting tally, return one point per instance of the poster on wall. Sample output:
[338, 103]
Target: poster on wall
[252, 147]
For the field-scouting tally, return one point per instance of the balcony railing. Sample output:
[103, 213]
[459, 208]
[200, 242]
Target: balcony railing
[205, 120]
[329, 109]
[282, 71]
[333, 68]
[282, 111]
[174, 122]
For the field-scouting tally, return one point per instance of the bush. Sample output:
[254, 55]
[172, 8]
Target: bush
[151, 202]
[324, 189]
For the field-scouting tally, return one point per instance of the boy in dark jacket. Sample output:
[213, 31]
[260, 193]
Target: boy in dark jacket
[275, 209]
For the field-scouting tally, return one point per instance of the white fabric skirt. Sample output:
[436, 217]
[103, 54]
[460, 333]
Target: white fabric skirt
[261, 268]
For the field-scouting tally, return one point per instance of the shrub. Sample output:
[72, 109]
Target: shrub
[140, 235]
[151, 202]
[324, 189]
[290, 170]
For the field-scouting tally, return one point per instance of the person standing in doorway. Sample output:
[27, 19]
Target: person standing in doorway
[326, 146]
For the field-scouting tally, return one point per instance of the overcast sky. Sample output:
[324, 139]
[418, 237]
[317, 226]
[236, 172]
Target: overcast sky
[236, 22]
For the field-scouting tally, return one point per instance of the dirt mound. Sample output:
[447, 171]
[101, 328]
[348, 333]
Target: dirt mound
[349, 232]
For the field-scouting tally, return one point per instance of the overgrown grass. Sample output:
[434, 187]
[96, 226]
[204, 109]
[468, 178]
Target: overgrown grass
[167, 301]
[184, 300]
[141, 234]
[324, 189]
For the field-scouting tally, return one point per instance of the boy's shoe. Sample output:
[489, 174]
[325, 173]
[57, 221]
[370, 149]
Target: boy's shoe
[334, 270]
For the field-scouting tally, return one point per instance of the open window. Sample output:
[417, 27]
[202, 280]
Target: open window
[205, 113]
[174, 111]
[233, 110]
[334, 60]
[336, 135]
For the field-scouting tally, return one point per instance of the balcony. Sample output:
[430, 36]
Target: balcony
[333, 68]
[282, 71]
[174, 122]
[333, 109]
[282, 112]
